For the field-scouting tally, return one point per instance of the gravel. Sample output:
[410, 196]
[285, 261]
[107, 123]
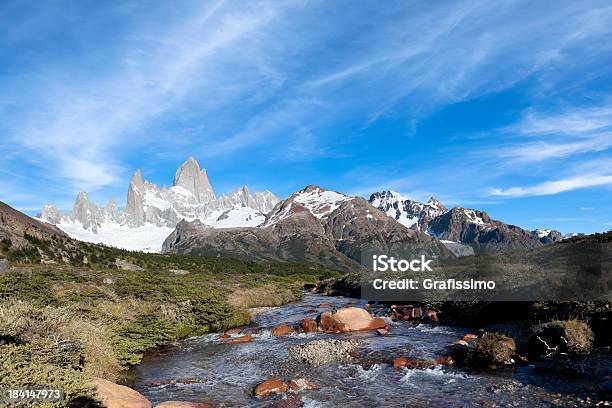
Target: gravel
[320, 352]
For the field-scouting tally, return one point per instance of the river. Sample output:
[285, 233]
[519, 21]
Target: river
[203, 369]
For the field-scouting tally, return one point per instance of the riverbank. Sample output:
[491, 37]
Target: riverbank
[362, 368]
[63, 325]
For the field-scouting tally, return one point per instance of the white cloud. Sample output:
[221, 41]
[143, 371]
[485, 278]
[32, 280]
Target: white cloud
[570, 121]
[78, 129]
[555, 187]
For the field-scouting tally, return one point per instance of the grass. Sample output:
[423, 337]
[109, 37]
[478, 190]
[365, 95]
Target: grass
[92, 319]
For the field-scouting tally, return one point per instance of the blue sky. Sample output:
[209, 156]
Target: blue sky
[504, 106]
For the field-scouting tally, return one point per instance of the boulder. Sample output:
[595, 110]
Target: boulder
[182, 404]
[469, 337]
[445, 360]
[568, 336]
[282, 330]
[412, 363]
[309, 325]
[349, 319]
[118, 396]
[242, 339]
[300, 384]
[234, 330]
[491, 350]
[271, 386]
[432, 317]
[4, 265]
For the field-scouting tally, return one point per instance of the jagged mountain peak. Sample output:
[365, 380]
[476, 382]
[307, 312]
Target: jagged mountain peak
[150, 211]
[434, 202]
[315, 200]
[195, 180]
[137, 178]
[412, 214]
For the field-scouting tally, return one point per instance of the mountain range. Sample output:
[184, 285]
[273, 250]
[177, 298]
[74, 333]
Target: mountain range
[151, 213]
[313, 223]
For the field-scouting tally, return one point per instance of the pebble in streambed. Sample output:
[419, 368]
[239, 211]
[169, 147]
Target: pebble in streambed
[320, 352]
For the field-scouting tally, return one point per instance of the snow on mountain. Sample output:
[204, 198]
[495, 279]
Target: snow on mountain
[150, 214]
[458, 226]
[412, 214]
[319, 202]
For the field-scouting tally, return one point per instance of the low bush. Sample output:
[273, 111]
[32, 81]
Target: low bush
[561, 336]
[491, 350]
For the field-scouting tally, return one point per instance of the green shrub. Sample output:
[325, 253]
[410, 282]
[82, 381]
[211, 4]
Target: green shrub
[23, 286]
[42, 364]
[133, 339]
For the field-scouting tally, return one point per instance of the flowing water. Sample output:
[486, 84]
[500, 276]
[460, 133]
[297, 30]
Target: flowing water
[203, 369]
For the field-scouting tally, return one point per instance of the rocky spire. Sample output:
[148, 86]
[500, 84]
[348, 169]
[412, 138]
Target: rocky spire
[190, 177]
[137, 179]
[86, 212]
[134, 210]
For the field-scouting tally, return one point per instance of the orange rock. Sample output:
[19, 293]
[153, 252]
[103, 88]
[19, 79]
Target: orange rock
[445, 360]
[309, 325]
[235, 330]
[460, 343]
[241, 339]
[349, 319]
[382, 332]
[413, 363]
[312, 311]
[225, 336]
[282, 330]
[183, 404]
[271, 386]
[323, 305]
[299, 384]
[469, 337]
[118, 396]
[433, 317]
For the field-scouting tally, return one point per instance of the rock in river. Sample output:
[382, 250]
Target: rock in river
[118, 396]
[349, 319]
[320, 352]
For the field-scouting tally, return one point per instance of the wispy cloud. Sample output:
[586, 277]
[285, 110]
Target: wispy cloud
[78, 130]
[555, 187]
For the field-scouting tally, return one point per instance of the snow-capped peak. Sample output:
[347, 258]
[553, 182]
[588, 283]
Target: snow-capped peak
[412, 214]
[318, 201]
[149, 209]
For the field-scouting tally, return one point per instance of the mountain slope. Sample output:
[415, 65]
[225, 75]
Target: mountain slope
[460, 225]
[313, 225]
[25, 239]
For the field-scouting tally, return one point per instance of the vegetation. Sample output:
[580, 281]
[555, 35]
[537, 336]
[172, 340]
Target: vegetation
[63, 323]
[492, 349]
[562, 336]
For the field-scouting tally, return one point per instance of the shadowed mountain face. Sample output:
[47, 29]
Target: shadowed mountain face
[313, 225]
[16, 227]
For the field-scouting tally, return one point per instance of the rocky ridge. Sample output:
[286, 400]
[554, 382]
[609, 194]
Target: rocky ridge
[460, 225]
[313, 225]
[191, 197]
